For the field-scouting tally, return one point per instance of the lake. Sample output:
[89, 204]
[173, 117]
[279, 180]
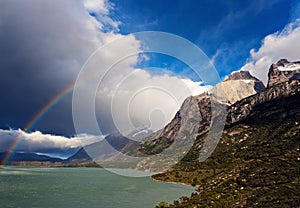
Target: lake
[24, 187]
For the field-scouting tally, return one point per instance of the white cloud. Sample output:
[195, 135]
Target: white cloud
[43, 143]
[139, 98]
[196, 88]
[97, 6]
[121, 83]
[101, 10]
[283, 44]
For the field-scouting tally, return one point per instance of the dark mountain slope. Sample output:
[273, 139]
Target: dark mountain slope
[80, 156]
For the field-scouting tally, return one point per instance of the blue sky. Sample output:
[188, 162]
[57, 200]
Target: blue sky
[224, 30]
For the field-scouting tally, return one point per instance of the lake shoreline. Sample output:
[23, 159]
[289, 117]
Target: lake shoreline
[173, 182]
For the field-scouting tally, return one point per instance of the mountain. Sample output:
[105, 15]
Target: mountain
[236, 87]
[144, 152]
[99, 149]
[29, 157]
[256, 162]
[239, 93]
[81, 156]
[109, 147]
[283, 71]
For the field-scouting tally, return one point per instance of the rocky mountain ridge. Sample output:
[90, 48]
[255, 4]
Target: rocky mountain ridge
[283, 71]
[243, 108]
[241, 75]
[256, 162]
[240, 100]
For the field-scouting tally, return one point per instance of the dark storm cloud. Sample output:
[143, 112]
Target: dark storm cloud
[43, 45]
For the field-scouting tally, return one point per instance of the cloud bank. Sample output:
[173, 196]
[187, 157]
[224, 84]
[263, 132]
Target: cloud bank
[141, 99]
[44, 143]
[282, 44]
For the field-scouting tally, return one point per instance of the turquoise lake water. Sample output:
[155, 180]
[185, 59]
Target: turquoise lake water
[23, 187]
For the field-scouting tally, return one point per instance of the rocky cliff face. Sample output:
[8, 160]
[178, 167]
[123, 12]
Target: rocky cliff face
[241, 93]
[236, 87]
[241, 75]
[283, 71]
[243, 108]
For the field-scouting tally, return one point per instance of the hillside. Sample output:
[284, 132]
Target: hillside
[256, 162]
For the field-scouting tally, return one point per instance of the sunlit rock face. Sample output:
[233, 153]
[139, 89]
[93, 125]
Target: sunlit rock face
[237, 86]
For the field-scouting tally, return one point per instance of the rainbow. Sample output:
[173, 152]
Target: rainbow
[43, 111]
[35, 119]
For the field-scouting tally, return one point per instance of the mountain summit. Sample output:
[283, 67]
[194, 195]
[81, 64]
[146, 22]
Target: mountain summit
[241, 75]
[237, 86]
[283, 71]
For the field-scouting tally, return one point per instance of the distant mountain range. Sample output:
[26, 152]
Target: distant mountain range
[26, 157]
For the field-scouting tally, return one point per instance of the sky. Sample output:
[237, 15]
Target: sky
[44, 46]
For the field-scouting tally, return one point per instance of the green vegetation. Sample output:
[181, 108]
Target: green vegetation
[256, 164]
[155, 146]
[82, 164]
